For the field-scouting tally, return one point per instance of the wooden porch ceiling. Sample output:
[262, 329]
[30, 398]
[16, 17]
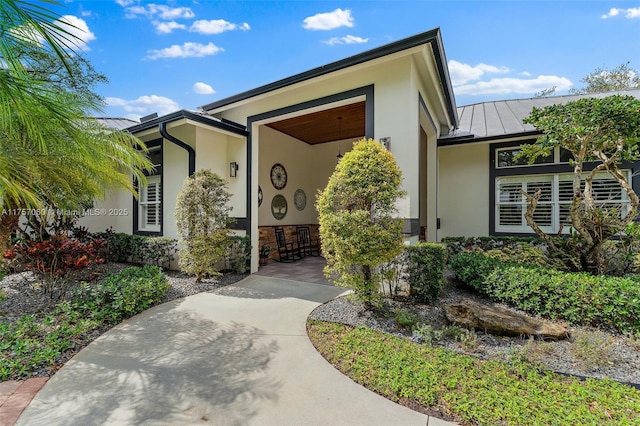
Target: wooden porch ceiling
[324, 126]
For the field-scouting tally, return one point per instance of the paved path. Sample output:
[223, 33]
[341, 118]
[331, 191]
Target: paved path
[239, 356]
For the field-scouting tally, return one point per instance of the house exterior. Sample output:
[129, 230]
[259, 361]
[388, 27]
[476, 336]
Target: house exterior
[278, 144]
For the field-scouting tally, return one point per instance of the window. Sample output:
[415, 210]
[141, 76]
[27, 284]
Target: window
[149, 210]
[555, 200]
[507, 157]
[148, 207]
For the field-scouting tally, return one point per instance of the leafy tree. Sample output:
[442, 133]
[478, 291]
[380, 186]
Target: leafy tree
[203, 222]
[599, 134]
[51, 152]
[602, 80]
[358, 227]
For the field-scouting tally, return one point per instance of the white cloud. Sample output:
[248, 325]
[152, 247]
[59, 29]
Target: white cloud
[463, 73]
[526, 73]
[216, 26]
[203, 89]
[345, 40]
[631, 13]
[186, 50]
[78, 28]
[330, 20]
[506, 85]
[144, 105]
[157, 10]
[124, 3]
[168, 27]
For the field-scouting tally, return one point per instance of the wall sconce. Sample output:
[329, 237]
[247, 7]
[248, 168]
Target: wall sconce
[233, 169]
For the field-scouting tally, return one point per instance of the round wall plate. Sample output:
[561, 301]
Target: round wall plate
[279, 207]
[300, 199]
[278, 176]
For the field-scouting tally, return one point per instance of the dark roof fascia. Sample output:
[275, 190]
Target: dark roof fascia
[462, 140]
[227, 125]
[431, 36]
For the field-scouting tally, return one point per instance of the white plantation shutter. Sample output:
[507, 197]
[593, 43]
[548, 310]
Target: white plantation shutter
[555, 200]
[149, 209]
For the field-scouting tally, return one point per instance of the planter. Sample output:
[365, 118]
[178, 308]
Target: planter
[264, 259]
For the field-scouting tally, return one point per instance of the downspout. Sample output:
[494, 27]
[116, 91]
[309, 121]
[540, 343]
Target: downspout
[162, 127]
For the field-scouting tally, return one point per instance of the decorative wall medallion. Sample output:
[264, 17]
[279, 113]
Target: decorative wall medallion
[278, 176]
[300, 199]
[279, 207]
[260, 196]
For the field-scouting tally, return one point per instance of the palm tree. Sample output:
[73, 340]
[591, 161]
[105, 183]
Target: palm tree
[51, 152]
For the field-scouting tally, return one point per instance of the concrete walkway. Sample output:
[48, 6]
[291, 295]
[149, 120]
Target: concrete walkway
[239, 356]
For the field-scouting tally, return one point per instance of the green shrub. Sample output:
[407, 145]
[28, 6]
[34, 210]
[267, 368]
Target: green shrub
[239, 254]
[140, 249]
[456, 245]
[406, 319]
[471, 267]
[158, 251]
[579, 298]
[425, 270]
[121, 295]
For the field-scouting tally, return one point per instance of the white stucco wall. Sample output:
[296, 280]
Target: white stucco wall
[115, 212]
[308, 168]
[463, 205]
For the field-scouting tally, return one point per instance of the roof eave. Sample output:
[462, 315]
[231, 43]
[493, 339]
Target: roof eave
[429, 37]
[226, 125]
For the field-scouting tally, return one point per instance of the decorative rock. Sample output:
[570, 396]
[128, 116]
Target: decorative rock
[501, 321]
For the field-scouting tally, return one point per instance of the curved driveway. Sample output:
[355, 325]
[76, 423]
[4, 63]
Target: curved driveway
[237, 356]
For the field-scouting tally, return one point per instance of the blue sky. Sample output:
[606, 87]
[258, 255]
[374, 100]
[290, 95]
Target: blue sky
[161, 56]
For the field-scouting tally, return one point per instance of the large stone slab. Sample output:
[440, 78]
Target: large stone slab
[501, 321]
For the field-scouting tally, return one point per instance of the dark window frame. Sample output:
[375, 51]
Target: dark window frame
[555, 168]
[158, 171]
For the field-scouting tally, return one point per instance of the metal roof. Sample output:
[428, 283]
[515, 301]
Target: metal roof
[116, 123]
[499, 119]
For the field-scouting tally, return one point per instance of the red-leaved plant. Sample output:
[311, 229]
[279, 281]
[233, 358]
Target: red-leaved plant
[58, 262]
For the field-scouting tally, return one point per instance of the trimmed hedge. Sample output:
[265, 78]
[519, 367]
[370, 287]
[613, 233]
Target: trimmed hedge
[456, 245]
[424, 270]
[121, 295]
[576, 297]
[472, 267]
[140, 249]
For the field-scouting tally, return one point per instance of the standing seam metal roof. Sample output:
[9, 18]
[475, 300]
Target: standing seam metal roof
[503, 118]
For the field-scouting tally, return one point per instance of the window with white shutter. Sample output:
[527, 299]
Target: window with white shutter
[555, 200]
[149, 210]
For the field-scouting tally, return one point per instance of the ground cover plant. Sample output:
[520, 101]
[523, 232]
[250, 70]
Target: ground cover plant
[469, 390]
[39, 341]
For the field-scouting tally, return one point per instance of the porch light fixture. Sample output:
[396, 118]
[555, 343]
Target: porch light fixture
[233, 169]
[339, 156]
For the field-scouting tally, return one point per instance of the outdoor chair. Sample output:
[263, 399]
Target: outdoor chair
[286, 251]
[306, 246]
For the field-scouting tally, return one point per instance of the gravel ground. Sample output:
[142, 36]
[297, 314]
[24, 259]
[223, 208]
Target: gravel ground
[620, 361]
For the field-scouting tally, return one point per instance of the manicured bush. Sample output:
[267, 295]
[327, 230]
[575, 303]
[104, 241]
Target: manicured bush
[456, 245]
[121, 295]
[424, 270]
[579, 298]
[139, 249]
[203, 222]
[472, 267]
[158, 251]
[239, 254]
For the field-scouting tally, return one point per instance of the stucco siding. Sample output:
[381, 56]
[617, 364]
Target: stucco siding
[114, 211]
[463, 205]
